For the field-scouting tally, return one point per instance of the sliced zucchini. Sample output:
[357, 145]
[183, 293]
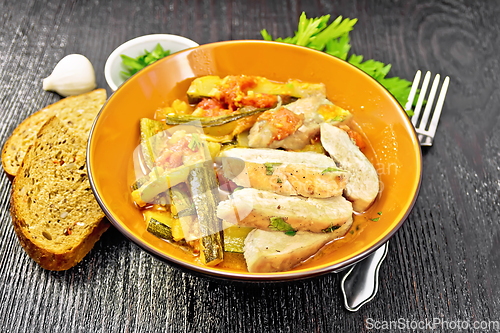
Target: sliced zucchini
[234, 238]
[208, 87]
[149, 128]
[159, 223]
[291, 88]
[334, 114]
[139, 182]
[214, 149]
[162, 183]
[314, 147]
[183, 210]
[218, 138]
[245, 111]
[181, 203]
[242, 139]
[205, 86]
[205, 194]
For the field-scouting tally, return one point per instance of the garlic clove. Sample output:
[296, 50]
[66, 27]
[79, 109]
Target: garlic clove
[73, 75]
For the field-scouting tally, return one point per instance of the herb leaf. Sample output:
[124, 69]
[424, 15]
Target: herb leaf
[237, 188]
[195, 143]
[339, 47]
[270, 168]
[279, 224]
[399, 88]
[135, 65]
[331, 228]
[330, 169]
[334, 39]
[337, 29]
[375, 219]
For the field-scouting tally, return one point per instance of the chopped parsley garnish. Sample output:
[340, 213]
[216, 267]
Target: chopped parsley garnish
[195, 143]
[135, 65]
[237, 188]
[270, 168]
[330, 169]
[338, 118]
[379, 213]
[279, 224]
[331, 228]
[375, 219]
[334, 39]
[279, 181]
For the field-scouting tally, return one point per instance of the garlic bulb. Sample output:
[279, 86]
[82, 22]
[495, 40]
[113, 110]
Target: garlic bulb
[73, 75]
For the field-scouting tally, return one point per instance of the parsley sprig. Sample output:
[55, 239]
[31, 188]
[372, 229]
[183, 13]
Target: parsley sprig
[329, 169]
[270, 167]
[334, 40]
[331, 228]
[279, 224]
[195, 143]
[135, 65]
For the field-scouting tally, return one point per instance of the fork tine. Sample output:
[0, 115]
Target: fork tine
[439, 107]
[430, 101]
[413, 90]
[420, 100]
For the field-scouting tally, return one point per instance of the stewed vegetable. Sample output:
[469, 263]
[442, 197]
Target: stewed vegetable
[265, 137]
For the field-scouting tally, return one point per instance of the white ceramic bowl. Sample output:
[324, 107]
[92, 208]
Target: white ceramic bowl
[135, 47]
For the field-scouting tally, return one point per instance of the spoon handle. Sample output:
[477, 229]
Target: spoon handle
[360, 284]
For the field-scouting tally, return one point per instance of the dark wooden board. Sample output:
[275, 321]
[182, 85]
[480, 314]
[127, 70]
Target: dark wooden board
[443, 263]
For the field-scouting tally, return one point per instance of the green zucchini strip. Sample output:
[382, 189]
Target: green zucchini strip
[204, 190]
[159, 229]
[234, 238]
[186, 213]
[208, 87]
[215, 121]
[159, 224]
[161, 184]
[149, 129]
[138, 183]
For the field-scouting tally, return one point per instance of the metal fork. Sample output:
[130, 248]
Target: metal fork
[426, 130]
[360, 284]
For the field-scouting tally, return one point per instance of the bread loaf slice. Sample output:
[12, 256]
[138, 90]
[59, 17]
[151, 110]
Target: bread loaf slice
[54, 212]
[77, 112]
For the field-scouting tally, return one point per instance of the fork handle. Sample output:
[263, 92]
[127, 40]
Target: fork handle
[360, 283]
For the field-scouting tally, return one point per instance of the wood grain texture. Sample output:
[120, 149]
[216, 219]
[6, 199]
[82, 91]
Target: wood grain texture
[443, 263]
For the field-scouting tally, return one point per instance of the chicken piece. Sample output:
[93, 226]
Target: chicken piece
[274, 251]
[269, 211]
[262, 136]
[313, 110]
[288, 173]
[279, 124]
[363, 185]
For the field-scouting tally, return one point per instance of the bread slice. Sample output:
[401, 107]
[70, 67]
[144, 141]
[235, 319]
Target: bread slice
[77, 112]
[54, 212]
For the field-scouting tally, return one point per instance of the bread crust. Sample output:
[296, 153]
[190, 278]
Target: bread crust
[50, 260]
[37, 117]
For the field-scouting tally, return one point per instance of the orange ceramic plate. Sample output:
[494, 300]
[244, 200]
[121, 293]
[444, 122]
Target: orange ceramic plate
[393, 147]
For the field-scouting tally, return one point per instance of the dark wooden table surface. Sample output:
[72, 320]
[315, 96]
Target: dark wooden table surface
[443, 264]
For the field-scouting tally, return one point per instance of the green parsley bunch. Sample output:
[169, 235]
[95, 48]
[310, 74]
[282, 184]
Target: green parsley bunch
[334, 39]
